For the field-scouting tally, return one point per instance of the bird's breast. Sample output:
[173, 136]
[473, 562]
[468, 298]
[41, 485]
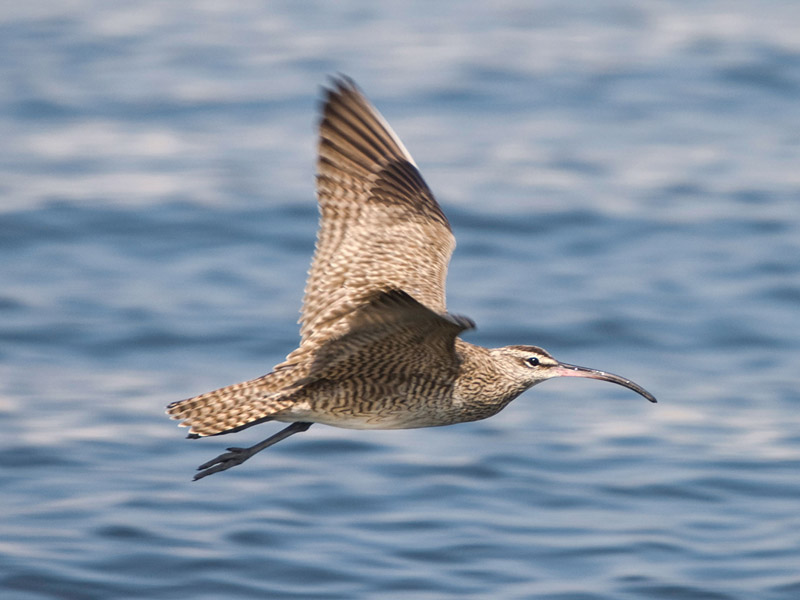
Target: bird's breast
[365, 404]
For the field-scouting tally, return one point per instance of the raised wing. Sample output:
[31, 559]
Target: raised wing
[392, 336]
[380, 226]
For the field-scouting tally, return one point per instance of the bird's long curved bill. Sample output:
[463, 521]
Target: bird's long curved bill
[565, 370]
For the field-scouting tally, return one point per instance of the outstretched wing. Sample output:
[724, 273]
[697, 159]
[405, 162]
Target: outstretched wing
[391, 336]
[380, 226]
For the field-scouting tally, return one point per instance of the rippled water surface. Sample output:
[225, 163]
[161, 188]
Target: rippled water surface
[623, 181]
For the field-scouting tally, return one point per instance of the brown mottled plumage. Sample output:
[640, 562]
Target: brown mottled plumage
[378, 349]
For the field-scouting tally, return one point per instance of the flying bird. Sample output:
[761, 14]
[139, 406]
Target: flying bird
[378, 349]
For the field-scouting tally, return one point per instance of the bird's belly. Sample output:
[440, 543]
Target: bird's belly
[389, 410]
[362, 421]
[386, 419]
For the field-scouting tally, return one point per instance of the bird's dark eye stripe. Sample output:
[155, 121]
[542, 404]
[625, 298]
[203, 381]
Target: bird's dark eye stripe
[533, 361]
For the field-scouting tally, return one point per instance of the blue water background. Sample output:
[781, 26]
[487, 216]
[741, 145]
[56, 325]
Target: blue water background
[623, 179]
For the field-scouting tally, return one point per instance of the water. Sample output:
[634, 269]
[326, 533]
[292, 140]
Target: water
[622, 180]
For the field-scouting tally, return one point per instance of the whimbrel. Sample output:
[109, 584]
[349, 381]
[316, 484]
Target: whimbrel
[378, 349]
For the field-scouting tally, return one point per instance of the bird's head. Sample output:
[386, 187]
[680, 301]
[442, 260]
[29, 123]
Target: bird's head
[529, 365]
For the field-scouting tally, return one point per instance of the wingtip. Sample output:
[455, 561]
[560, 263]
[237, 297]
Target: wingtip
[338, 84]
[464, 322]
[344, 81]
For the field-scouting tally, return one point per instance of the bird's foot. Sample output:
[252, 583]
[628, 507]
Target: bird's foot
[223, 462]
[236, 456]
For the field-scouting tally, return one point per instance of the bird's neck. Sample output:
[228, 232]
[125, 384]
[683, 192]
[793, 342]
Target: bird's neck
[482, 386]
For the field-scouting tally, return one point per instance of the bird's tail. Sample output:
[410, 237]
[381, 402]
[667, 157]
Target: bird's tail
[234, 407]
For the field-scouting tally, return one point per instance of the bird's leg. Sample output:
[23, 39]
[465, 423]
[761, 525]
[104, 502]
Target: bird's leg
[236, 456]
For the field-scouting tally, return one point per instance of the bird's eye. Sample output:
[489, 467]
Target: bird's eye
[533, 361]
